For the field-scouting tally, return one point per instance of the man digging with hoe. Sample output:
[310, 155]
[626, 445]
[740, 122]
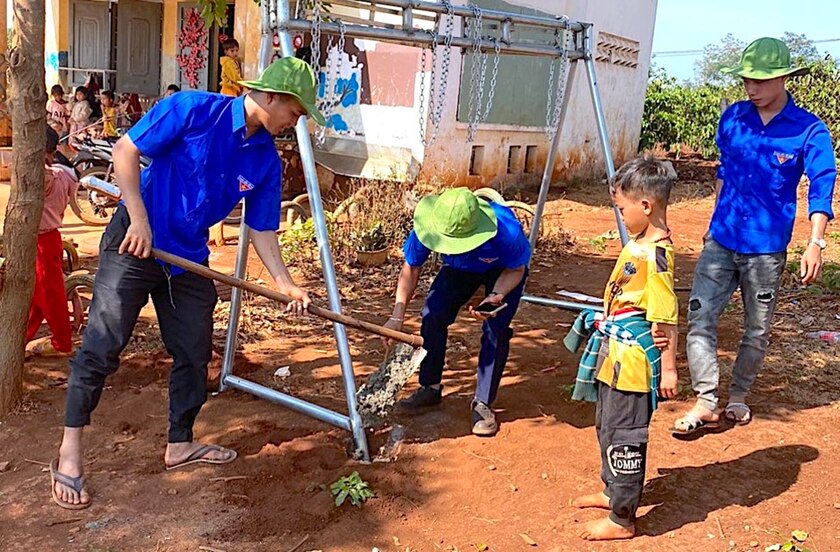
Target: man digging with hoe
[209, 152]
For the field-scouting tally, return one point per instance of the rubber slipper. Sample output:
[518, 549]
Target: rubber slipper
[734, 409]
[44, 348]
[75, 483]
[692, 424]
[198, 456]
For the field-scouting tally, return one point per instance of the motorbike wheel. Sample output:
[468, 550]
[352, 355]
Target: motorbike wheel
[94, 210]
[79, 290]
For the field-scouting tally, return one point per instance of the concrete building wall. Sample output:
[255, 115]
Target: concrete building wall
[379, 121]
[622, 90]
[169, 44]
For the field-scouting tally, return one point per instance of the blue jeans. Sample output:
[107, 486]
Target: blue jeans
[449, 293]
[718, 274]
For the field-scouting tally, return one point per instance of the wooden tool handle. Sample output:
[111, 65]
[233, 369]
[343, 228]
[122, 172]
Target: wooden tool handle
[201, 270]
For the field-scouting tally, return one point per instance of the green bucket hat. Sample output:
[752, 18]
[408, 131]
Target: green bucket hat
[454, 222]
[293, 76]
[765, 59]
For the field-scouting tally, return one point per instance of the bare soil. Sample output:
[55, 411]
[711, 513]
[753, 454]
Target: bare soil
[741, 489]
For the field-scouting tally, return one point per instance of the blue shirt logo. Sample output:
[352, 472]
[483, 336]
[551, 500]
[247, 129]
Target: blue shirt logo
[244, 185]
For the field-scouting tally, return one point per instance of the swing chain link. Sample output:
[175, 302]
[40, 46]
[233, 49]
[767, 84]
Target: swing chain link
[478, 71]
[332, 95]
[492, 93]
[478, 111]
[316, 41]
[558, 92]
[422, 103]
[437, 86]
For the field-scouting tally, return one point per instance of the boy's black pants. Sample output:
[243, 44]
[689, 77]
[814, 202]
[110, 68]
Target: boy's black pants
[184, 306]
[621, 422]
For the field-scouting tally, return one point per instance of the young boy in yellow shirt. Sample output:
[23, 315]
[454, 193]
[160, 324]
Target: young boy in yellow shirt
[624, 366]
[231, 69]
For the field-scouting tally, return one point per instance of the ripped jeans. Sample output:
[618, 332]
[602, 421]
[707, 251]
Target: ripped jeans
[718, 274]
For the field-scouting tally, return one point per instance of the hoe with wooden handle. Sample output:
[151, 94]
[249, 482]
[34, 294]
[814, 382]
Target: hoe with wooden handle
[378, 395]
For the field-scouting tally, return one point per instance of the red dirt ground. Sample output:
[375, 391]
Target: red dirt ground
[742, 489]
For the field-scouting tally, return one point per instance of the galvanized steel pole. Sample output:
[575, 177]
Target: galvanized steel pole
[548, 173]
[601, 121]
[241, 266]
[307, 157]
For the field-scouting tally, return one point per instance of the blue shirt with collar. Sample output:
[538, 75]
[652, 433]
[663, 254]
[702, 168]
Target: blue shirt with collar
[761, 166]
[202, 166]
[508, 249]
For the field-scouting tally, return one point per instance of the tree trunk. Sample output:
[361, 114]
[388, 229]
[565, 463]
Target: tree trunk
[27, 100]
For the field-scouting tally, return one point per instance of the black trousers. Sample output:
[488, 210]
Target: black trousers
[621, 422]
[184, 305]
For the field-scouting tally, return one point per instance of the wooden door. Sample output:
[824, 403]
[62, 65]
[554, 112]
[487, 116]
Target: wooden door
[91, 40]
[138, 47]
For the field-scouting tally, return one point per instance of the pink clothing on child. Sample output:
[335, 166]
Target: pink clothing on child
[59, 187]
[59, 112]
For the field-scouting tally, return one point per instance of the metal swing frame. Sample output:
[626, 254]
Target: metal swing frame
[276, 18]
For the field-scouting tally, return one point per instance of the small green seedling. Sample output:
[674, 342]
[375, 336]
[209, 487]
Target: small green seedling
[795, 544]
[352, 487]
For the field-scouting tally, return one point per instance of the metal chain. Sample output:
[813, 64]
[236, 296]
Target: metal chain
[492, 93]
[432, 75]
[422, 107]
[550, 93]
[474, 31]
[437, 90]
[332, 97]
[316, 40]
[553, 112]
[326, 103]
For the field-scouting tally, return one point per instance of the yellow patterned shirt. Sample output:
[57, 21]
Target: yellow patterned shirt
[642, 282]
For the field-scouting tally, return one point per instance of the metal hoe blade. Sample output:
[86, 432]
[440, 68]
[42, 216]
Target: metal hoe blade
[378, 395]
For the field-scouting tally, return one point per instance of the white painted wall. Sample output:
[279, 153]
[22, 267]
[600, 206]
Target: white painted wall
[622, 92]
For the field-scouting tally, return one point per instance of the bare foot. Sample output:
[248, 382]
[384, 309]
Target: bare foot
[704, 413]
[179, 452]
[688, 424]
[595, 500]
[606, 529]
[70, 464]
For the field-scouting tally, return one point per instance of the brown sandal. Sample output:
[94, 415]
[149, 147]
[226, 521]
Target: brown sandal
[75, 483]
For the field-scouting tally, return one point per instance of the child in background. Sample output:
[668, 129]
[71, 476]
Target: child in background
[231, 75]
[57, 112]
[109, 115]
[231, 69]
[623, 368]
[49, 300]
[130, 105]
[80, 113]
[171, 89]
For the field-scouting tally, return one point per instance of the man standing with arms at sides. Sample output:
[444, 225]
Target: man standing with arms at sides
[766, 144]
